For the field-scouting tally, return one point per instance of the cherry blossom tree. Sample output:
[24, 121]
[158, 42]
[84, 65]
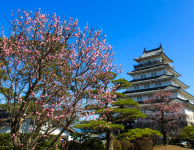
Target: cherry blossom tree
[163, 113]
[48, 69]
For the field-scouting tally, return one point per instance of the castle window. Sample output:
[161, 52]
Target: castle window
[146, 85]
[153, 74]
[139, 98]
[143, 76]
[136, 87]
[158, 84]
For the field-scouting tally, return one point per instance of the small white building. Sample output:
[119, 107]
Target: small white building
[27, 125]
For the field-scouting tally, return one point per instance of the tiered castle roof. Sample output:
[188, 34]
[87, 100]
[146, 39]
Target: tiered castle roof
[151, 61]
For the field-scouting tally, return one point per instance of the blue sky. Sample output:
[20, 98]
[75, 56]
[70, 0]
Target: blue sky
[130, 26]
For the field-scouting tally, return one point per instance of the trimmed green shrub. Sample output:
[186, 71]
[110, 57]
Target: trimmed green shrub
[42, 145]
[5, 141]
[90, 144]
[187, 134]
[143, 144]
[71, 145]
[93, 144]
[125, 145]
[116, 145]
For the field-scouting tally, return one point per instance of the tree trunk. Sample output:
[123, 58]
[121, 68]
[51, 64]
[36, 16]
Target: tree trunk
[56, 138]
[165, 138]
[16, 143]
[15, 135]
[109, 140]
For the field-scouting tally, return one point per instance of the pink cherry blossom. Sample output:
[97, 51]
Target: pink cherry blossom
[53, 65]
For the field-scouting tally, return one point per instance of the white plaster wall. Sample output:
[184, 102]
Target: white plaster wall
[151, 85]
[151, 60]
[149, 74]
[174, 95]
[148, 96]
[190, 115]
[166, 83]
[142, 99]
[136, 77]
[7, 129]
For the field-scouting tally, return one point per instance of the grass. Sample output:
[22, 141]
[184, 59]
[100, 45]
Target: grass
[170, 147]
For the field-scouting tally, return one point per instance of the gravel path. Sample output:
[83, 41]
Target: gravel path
[170, 147]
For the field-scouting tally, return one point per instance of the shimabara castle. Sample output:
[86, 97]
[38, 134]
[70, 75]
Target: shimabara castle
[154, 72]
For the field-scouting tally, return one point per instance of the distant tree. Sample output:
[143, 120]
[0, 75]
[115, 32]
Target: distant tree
[117, 109]
[163, 113]
[47, 64]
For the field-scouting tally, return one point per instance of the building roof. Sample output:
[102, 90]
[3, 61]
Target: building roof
[171, 87]
[150, 78]
[167, 88]
[146, 68]
[185, 102]
[186, 94]
[189, 103]
[160, 78]
[171, 69]
[147, 54]
[183, 85]
[156, 67]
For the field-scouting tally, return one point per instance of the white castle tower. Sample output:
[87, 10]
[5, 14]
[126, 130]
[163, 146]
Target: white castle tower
[154, 72]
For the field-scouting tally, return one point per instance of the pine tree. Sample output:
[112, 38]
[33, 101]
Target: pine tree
[117, 109]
